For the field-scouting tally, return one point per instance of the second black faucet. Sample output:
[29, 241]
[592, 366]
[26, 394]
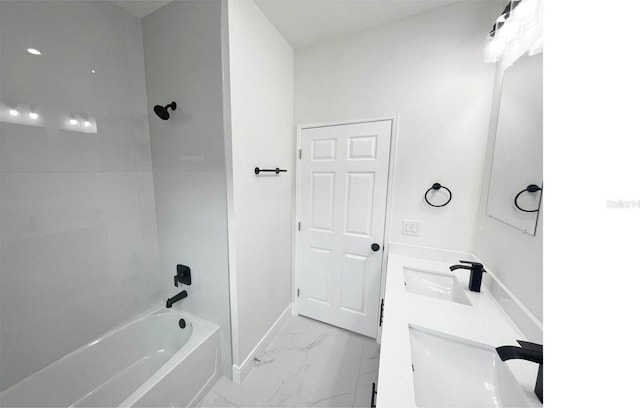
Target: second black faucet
[527, 351]
[475, 278]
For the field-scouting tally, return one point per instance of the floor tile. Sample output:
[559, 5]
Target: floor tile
[213, 399]
[364, 389]
[308, 363]
[370, 357]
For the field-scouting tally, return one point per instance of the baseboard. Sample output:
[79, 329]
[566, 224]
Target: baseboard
[241, 371]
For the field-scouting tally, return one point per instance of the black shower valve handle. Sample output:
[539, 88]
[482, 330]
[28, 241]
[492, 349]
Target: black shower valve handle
[183, 275]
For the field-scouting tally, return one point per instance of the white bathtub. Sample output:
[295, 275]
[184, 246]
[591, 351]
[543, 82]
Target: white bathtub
[150, 362]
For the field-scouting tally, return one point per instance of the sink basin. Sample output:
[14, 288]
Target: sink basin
[453, 372]
[437, 285]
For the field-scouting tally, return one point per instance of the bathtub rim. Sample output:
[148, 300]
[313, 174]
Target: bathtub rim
[198, 337]
[200, 327]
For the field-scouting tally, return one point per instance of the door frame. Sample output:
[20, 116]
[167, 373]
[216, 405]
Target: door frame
[388, 202]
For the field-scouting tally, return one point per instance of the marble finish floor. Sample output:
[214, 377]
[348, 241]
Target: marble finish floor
[308, 364]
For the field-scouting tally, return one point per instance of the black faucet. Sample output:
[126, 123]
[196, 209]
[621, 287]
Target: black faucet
[475, 278]
[183, 275]
[528, 351]
[176, 298]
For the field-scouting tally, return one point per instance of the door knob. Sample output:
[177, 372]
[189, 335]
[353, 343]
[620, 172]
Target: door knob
[375, 247]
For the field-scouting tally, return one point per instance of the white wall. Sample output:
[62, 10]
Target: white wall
[261, 84]
[428, 69]
[78, 248]
[515, 257]
[182, 49]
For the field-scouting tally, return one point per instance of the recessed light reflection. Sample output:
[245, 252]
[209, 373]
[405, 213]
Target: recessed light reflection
[20, 114]
[33, 51]
[80, 123]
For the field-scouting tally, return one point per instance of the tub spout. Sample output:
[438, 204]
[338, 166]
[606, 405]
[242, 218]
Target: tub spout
[176, 298]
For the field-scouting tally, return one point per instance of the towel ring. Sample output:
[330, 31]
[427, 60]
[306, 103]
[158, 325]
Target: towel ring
[531, 188]
[437, 186]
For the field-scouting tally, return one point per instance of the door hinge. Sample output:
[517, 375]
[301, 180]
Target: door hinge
[299, 225]
[299, 153]
[298, 291]
[381, 311]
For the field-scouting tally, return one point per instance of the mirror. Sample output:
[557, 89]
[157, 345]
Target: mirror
[517, 156]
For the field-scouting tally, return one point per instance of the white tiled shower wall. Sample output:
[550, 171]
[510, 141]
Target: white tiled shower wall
[183, 61]
[79, 248]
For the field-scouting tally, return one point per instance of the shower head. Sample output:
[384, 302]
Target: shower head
[163, 111]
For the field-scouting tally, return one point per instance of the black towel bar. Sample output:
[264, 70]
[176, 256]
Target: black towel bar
[277, 170]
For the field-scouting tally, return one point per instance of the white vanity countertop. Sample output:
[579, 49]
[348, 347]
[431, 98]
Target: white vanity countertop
[484, 322]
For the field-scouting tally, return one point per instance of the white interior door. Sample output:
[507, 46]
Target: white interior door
[342, 192]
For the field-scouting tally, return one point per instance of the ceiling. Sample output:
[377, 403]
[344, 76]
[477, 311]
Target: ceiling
[141, 8]
[304, 23]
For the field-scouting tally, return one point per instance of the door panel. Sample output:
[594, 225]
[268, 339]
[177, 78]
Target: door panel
[324, 149]
[359, 206]
[353, 283]
[323, 190]
[320, 268]
[343, 176]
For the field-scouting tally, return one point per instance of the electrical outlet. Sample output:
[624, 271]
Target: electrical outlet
[410, 227]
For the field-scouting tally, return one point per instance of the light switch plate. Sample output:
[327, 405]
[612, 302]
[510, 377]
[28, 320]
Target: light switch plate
[411, 227]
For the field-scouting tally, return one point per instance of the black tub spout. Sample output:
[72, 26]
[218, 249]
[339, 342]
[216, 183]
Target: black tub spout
[176, 298]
